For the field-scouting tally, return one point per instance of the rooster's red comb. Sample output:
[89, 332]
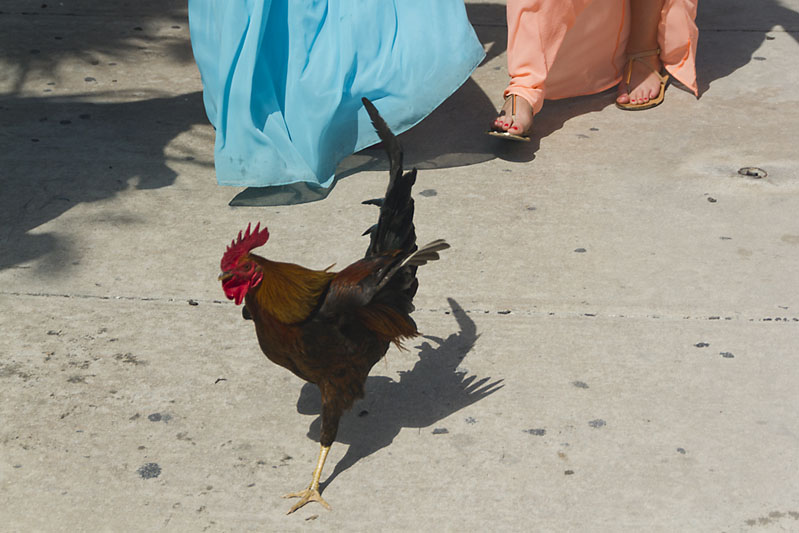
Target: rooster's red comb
[243, 244]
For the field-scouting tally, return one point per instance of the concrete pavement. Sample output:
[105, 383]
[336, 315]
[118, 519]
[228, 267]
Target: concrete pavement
[611, 341]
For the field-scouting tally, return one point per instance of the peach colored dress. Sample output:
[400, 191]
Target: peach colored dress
[563, 48]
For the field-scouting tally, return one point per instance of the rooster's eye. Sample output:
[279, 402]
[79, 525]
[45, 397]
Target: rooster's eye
[246, 268]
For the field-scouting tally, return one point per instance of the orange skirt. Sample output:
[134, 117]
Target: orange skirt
[563, 48]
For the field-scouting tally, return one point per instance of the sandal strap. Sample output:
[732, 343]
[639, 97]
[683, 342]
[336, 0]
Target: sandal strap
[638, 56]
[645, 53]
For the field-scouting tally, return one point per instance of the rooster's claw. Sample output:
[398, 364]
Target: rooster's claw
[307, 495]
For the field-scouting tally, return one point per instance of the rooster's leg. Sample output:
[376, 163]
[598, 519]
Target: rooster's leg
[311, 494]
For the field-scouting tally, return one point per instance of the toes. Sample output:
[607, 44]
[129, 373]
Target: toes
[622, 94]
[501, 124]
[306, 496]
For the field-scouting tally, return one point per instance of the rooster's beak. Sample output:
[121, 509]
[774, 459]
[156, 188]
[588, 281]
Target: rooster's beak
[225, 275]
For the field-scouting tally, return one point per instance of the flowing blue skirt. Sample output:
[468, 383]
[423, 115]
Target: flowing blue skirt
[283, 79]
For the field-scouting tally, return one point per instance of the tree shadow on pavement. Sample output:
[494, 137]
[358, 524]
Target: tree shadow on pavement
[48, 169]
[435, 388]
[62, 150]
[37, 37]
[730, 32]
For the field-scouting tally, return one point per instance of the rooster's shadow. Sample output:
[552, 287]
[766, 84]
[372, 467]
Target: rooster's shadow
[435, 388]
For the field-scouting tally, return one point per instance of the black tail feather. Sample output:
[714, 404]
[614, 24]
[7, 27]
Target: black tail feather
[394, 228]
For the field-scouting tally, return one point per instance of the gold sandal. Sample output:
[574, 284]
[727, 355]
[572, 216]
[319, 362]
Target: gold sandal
[506, 134]
[663, 79]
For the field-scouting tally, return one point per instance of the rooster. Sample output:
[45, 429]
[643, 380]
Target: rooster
[330, 328]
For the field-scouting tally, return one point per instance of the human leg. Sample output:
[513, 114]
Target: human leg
[644, 82]
[536, 29]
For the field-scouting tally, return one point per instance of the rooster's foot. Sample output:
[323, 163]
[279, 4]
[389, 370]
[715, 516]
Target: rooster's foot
[307, 495]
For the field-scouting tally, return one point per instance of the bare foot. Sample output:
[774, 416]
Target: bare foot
[644, 82]
[523, 122]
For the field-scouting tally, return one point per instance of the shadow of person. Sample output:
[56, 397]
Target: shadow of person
[435, 388]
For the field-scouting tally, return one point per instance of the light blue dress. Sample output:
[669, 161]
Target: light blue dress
[283, 79]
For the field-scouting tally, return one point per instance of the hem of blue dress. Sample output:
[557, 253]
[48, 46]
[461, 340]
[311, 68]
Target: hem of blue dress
[370, 140]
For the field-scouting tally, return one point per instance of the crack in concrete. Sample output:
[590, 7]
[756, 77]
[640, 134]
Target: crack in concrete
[434, 310]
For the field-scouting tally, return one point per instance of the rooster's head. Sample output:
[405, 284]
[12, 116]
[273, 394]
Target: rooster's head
[239, 271]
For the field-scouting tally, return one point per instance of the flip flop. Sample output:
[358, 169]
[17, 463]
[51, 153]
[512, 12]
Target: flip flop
[663, 79]
[506, 134]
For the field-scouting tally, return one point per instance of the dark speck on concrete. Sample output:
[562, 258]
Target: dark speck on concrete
[711, 200]
[701, 345]
[594, 129]
[505, 312]
[429, 192]
[149, 470]
[531, 208]
[89, 79]
[440, 431]
[363, 413]
[569, 472]
[580, 384]
[753, 172]
[681, 450]
[193, 302]
[138, 28]
[580, 250]
[470, 420]
[726, 355]
[155, 417]
[17, 466]
[759, 58]
[538, 432]
[598, 423]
